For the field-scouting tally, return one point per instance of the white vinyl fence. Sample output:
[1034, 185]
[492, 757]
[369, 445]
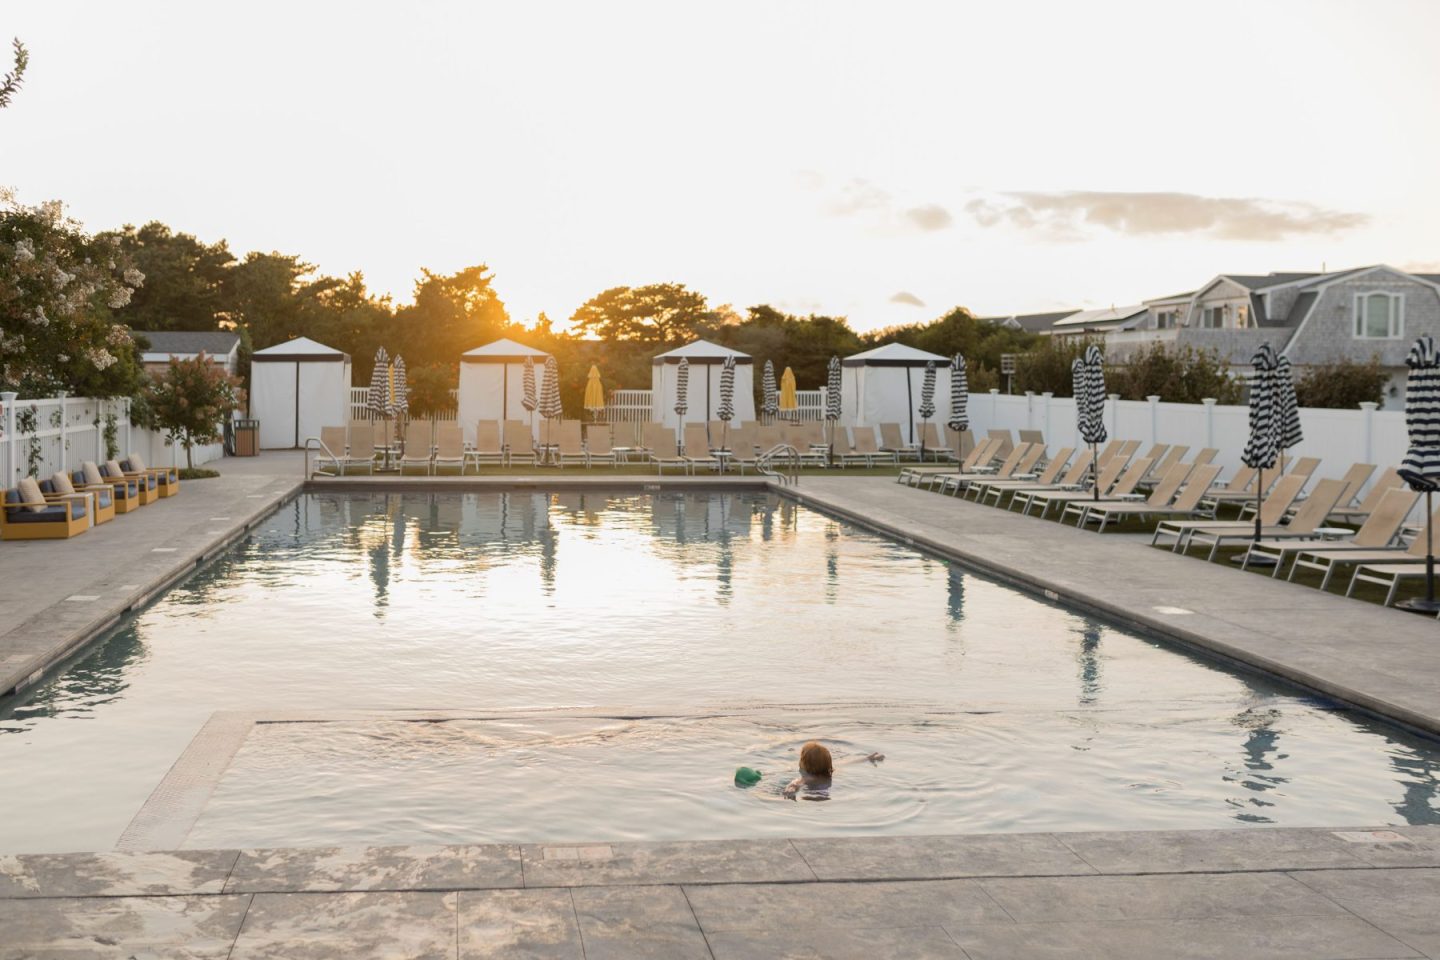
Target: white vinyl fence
[1338, 437]
[359, 409]
[41, 437]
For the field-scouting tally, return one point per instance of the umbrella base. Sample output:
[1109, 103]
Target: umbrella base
[1419, 605]
[1254, 561]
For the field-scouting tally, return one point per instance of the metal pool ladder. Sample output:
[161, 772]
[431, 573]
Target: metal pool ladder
[786, 455]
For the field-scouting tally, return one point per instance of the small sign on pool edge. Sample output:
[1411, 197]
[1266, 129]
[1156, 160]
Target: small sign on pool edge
[1371, 836]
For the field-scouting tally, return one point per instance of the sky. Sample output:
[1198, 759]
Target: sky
[884, 162]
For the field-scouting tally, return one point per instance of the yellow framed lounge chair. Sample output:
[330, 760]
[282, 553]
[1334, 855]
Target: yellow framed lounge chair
[148, 486]
[99, 502]
[109, 504]
[27, 515]
[126, 492]
[167, 479]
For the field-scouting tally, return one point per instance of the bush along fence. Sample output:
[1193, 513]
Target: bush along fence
[40, 437]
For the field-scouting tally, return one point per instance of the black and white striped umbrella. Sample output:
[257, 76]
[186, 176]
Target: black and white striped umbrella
[832, 390]
[682, 388]
[377, 400]
[927, 392]
[1262, 447]
[1421, 467]
[550, 407]
[1287, 406]
[770, 400]
[400, 401]
[1092, 424]
[527, 395]
[726, 413]
[959, 395]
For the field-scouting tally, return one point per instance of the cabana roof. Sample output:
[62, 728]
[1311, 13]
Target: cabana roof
[893, 355]
[701, 351]
[502, 351]
[301, 349]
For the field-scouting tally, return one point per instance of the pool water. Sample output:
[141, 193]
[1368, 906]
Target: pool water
[622, 654]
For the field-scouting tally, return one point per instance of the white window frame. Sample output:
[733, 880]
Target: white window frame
[1218, 312]
[1397, 326]
[1167, 319]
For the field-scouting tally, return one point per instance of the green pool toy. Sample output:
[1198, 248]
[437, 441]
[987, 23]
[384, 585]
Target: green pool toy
[746, 777]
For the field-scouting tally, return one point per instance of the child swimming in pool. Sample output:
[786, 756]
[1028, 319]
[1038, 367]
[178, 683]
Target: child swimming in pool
[817, 768]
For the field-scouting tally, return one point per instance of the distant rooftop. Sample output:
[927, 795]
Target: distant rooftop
[188, 343]
[1033, 322]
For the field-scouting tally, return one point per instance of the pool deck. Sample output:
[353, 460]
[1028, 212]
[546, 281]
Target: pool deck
[1278, 894]
[1257, 893]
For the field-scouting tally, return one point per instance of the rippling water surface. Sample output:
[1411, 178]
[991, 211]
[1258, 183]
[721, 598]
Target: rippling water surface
[682, 635]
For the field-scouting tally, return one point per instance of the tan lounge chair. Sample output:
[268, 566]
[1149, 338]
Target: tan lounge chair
[994, 488]
[487, 448]
[519, 440]
[697, 448]
[1329, 560]
[954, 481]
[449, 447]
[1187, 503]
[1109, 476]
[664, 449]
[979, 460]
[1163, 493]
[1303, 525]
[1378, 532]
[598, 448]
[1276, 505]
[892, 440]
[570, 444]
[1122, 489]
[1351, 512]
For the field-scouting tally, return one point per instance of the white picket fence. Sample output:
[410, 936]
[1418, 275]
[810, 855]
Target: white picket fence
[360, 410]
[1338, 437]
[43, 436]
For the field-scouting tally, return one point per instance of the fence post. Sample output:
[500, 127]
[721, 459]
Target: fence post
[1114, 412]
[1047, 395]
[994, 408]
[127, 427]
[64, 431]
[1209, 421]
[1154, 401]
[1029, 409]
[8, 399]
[1368, 425]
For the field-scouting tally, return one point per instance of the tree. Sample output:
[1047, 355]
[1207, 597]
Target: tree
[1176, 374]
[805, 344]
[10, 84]
[190, 401]
[186, 280]
[1046, 366]
[452, 313]
[59, 288]
[1342, 384]
[657, 315]
[980, 341]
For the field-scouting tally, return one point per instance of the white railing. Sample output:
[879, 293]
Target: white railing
[43, 436]
[359, 409]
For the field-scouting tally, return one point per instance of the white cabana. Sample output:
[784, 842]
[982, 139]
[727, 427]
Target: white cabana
[883, 386]
[296, 388]
[492, 384]
[705, 359]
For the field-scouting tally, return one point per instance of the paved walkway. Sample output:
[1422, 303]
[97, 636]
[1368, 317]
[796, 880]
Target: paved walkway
[60, 593]
[1377, 658]
[1258, 894]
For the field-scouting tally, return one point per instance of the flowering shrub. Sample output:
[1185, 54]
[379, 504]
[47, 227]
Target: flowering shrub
[190, 402]
[57, 288]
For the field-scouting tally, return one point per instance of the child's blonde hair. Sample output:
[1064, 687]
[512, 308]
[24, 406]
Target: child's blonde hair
[815, 760]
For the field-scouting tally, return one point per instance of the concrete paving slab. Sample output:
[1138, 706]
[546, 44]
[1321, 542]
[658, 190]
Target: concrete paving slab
[716, 861]
[519, 924]
[906, 903]
[376, 868]
[114, 874]
[1403, 903]
[1211, 851]
[638, 923]
[1258, 938]
[1057, 899]
[905, 858]
[850, 943]
[345, 926]
[120, 927]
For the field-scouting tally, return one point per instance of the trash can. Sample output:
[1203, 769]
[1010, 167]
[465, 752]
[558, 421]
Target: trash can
[247, 438]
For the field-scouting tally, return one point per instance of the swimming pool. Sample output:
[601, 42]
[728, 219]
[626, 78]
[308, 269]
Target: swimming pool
[622, 653]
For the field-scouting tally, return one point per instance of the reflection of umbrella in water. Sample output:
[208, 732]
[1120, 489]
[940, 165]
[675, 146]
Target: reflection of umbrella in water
[955, 598]
[1089, 657]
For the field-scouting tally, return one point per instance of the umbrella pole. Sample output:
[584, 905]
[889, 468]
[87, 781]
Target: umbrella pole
[1428, 605]
[1259, 492]
[1095, 470]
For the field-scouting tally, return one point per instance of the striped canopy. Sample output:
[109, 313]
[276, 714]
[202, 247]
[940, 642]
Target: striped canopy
[682, 388]
[726, 413]
[770, 402]
[959, 395]
[527, 397]
[1263, 446]
[832, 390]
[1091, 380]
[927, 392]
[1287, 406]
[400, 390]
[550, 391]
[377, 400]
[1421, 466]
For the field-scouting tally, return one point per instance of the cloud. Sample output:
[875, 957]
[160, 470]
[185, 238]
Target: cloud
[1067, 215]
[905, 296]
[932, 216]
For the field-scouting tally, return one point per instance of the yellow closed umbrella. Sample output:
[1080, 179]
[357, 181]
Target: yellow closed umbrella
[789, 402]
[594, 392]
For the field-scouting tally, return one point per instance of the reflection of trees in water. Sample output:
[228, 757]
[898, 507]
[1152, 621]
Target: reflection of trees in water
[1417, 802]
[95, 679]
[1088, 658]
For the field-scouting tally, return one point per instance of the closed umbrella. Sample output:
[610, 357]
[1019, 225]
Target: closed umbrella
[399, 398]
[726, 413]
[1421, 467]
[927, 401]
[682, 392]
[1262, 447]
[1287, 409]
[377, 400]
[550, 407]
[1092, 420]
[789, 400]
[959, 420]
[528, 399]
[770, 399]
[832, 399]
[594, 392]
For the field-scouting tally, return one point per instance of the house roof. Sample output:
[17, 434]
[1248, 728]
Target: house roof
[504, 348]
[1173, 298]
[700, 351]
[171, 343]
[300, 348]
[893, 355]
[1033, 322]
[1108, 317]
[1254, 282]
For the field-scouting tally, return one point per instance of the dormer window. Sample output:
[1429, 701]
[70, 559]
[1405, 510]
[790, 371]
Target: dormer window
[1379, 316]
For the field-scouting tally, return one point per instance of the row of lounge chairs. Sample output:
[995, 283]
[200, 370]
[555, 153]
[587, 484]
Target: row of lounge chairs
[67, 504]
